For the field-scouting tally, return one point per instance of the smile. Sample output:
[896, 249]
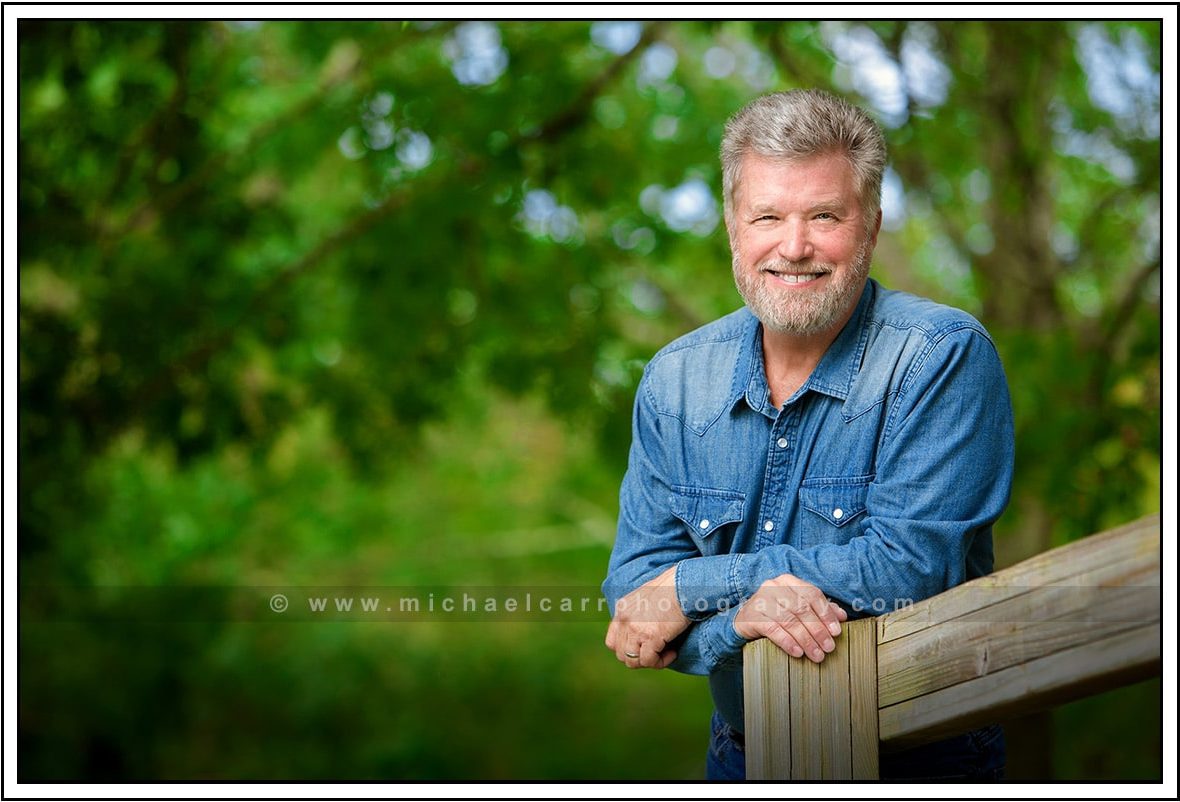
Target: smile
[796, 278]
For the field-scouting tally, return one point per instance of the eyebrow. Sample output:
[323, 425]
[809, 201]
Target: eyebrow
[759, 208]
[833, 203]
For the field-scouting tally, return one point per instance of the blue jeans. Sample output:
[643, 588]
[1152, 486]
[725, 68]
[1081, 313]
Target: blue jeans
[977, 756]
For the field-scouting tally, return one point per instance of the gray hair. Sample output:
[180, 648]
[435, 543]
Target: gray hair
[799, 124]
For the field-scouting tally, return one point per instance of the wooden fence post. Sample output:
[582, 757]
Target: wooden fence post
[813, 722]
[1076, 620]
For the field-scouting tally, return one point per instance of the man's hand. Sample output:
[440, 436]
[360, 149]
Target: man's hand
[645, 621]
[794, 614]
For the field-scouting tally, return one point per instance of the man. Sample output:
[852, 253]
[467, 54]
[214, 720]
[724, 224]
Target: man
[832, 448]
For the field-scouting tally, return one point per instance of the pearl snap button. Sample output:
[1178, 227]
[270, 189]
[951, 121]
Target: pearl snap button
[782, 442]
[837, 513]
[768, 525]
[705, 523]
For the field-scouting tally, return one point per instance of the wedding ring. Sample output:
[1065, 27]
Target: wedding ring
[632, 655]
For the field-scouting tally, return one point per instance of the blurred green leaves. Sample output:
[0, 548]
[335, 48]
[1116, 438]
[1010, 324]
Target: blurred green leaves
[365, 303]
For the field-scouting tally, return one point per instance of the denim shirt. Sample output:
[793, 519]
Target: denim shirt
[878, 481]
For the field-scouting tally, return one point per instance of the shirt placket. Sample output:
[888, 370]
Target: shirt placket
[779, 460]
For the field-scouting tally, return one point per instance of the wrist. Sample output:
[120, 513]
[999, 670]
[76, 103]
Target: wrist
[740, 627]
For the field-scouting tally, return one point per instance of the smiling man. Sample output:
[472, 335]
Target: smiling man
[829, 449]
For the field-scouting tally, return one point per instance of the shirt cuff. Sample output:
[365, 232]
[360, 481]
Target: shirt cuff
[705, 585]
[721, 645]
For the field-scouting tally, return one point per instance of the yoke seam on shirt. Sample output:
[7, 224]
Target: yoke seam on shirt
[676, 347]
[933, 341]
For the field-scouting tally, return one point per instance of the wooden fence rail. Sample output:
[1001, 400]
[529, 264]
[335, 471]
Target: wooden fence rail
[1068, 623]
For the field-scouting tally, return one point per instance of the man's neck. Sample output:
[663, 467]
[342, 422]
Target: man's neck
[789, 360]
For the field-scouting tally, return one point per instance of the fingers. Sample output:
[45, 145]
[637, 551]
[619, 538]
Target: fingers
[782, 638]
[638, 636]
[793, 614]
[650, 654]
[802, 633]
[811, 634]
[612, 633]
[823, 616]
[794, 639]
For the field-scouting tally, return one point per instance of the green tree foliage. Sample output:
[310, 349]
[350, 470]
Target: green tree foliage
[347, 303]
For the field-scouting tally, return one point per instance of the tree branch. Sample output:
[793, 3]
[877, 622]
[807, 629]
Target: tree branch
[792, 67]
[914, 172]
[576, 113]
[199, 355]
[337, 68]
[196, 357]
[178, 48]
[1103, 339]
[1124, 310]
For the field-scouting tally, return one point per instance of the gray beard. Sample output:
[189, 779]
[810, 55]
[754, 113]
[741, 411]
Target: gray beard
[804, 313]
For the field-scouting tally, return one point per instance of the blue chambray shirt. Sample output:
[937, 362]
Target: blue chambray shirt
[878, 481]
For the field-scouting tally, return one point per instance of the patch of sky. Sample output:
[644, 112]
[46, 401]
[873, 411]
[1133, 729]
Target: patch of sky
[647, 297]
[351, 143]
[619, 37]
[665, 126]
[379, 129]
[688, 207]
[1119, 78]
[977, 186]
[866, 67]
[542, 216]
[927, 78]
[477, 55]
[414, 149]
[720, 62]
[757, 69]
[642, 240]
[893, 202]
[657, 64]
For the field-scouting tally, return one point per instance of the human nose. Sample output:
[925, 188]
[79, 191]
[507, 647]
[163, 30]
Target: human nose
[794, 244]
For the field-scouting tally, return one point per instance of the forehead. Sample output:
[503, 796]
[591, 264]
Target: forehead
[824, 177]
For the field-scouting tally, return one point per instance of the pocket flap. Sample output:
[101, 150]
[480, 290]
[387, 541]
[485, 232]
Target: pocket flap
[837, 501]
[703, 509]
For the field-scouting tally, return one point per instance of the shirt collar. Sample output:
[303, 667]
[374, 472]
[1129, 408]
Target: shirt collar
[833, 375]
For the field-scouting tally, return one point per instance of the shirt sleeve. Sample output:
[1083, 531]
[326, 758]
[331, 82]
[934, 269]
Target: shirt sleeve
[943, 476]
[650, 539]
[709, 645]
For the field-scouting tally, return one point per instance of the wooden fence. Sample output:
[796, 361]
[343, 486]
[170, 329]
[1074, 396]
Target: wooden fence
[1068, 623]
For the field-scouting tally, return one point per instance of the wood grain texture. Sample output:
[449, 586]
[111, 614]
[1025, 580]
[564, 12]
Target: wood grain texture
[768, 720]
[1129, 550]
[1071, 622]
[835, 713]
[1019, 630]
[862, 659]
[805, 703]
[1045, 626]
[813, 722]
[1025, 688]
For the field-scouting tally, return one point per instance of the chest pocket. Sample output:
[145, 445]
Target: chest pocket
[709, 515]
[833, 509]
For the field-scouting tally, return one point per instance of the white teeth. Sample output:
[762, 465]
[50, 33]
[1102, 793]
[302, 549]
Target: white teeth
[798, 278]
